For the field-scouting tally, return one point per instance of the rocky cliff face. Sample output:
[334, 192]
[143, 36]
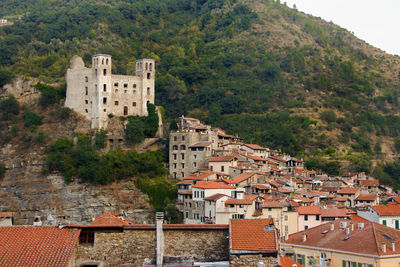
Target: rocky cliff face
[28, 192]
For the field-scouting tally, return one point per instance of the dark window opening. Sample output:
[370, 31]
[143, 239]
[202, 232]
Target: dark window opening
[104, 87]
[86, 238]
[104, 100]
[134, 104]
[86, 89]
[87, 102]
[125, 85]
[116, 84]
[105, 72]
[86, 79]
[151, 67]
[125, 110]
[107, 61]
[148, 90]
[134, 85]
[116, 103]
[148, 75]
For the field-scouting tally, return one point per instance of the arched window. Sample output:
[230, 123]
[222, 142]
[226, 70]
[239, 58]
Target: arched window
[102, 61]
[146, 66]
[107, 61]
[105, 72]
[174, 147]
[151, 67]
[148, 75]
[183, 147]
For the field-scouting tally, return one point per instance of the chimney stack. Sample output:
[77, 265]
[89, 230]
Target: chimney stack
[352, 227]
[304, 237]
[160, 238]
[286, 236]
[347, 230]
[332, 226]
[384, 247]
[393, 246]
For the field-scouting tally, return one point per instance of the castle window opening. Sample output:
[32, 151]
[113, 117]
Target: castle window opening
[116, 90]
[174, 147]
[183, 147]
[183, 165]
[183, 174]
[86, 111]
[183, 138]
[125, 91]
[125, 85]
[148, 90]
[125, 110]
[105, 110]
[134, 104]
[148, 75]
[120, 140]
[174, 156]
[116, 84]
[105, 72]
[147, 103]
[134, 85]
[175, 138]
[95, 72]
[104, 100]
[116, 103]
[134, 91]
[86, 79]
[86, 238]
[174, 165]
[174, 175]
[146, 66]
[105, 87]
[183, 156]
[151, 66]
[86, 89]
[107, 61]
[102, 61]
[87, 102]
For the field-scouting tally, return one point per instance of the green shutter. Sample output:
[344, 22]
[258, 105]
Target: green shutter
[354, 264]
[370, 265]
[359, 264]
[294, 257]
[384, 222]
[343, 263]
[303, 260]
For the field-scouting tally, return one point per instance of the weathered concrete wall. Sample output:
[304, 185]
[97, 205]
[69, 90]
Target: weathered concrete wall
[128, 248]
[251, 260]
[185, 246]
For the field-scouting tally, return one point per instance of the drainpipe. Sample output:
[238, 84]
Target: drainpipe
[160, 238]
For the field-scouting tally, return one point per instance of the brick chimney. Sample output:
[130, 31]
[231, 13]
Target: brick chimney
[304, 237]
[393, 246]
[332, 226]
[383, 247]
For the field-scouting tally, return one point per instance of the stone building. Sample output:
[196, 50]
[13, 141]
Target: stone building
[96, 93]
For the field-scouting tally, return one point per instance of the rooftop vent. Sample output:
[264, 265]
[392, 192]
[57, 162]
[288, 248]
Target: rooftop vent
[325, 232]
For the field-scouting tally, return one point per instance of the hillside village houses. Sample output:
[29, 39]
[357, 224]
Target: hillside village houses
[221, 178]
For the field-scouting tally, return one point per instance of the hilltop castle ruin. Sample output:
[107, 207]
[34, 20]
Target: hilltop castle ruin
[95, 92]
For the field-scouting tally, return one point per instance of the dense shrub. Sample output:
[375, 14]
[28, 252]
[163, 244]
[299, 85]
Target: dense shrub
[9, 108]
[32, 119]
[2, 170]
[328, 116]
[138, 128]
[100, 139]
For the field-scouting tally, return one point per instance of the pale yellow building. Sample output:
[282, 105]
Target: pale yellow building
[344, 243]
[285, 218]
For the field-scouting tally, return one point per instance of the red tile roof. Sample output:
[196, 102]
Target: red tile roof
[37, 246]
[242, 177]
[287, 262]
[201, 144]
[387, 210]
[277, 159]
[111, 219]
[214, 197]
[356, 217]
[212, 185]
[335, 212]
[369, 182]
[253, 157]
[223, 159]
[248, 200]
[366, 197]
[6, 214]
[199, 175]
[341, 199]
[309, 210]
[252, 235]
[348, 190]
[254, 147]
[366, 240]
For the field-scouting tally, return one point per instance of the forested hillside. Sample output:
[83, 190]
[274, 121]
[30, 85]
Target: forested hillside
[259, 69]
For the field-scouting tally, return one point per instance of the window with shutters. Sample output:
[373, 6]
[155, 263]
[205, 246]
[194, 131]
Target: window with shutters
[86, 238]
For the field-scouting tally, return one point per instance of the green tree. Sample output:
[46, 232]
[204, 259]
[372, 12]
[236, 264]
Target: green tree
[9, 107]
[100, 139]
[328, 116]
[134, 130]
[32, 119]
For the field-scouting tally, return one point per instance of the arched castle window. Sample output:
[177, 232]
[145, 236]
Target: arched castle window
[102, 61]
[148, 90]
[125, 110]
[95, 72]
[104, 100]
[174, 147]
[105, 72]
[104, 87]
[148, 75]
[107, 61]
[151, 66]
[86, 89]
[146, 66]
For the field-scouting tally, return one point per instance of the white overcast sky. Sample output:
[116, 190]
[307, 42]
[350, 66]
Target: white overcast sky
[375, 21]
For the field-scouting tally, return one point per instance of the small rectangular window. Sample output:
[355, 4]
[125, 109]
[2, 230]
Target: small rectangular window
[105, 72]
[116, 103]
[104, 100]
[116, 84]
[86, 79]
[125, 85]
[104, 87]
[148, 90]
[134, 104]
[134, 86]
[86, 238]
[87, 102]
[125, 110]
[87, 91]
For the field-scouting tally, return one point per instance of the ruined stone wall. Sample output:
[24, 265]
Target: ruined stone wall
[251, 260]
[127, 248]
[186, 246]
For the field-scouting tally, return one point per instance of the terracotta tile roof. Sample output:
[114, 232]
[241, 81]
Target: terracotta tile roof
[302, 199]
[198, 176]
[254, 147]
[348, 190]
[242, 177]
[212, 185]
[287, 262]
[335, 212]
[228, 136]
[387, 210]
[37, 246]
[356, 217]
[200, 144]
[273, 204]
[309, 210]
[253, 157]
[284, 191]
[185, 182]
[366, 197]
[366, 240]
[369, 182]
[341, 199]
[275, 184]
[252, 235]
[277, 159]
[189, 192]
[272, 163]
[111, 219]
[329, 189]
[275, 169]
[214, 197]
[396, 199]
[260, 186]
[223, 159]
[248, 200]
[6, 214]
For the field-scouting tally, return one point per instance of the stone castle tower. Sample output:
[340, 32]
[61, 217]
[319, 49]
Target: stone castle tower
[95, 92]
